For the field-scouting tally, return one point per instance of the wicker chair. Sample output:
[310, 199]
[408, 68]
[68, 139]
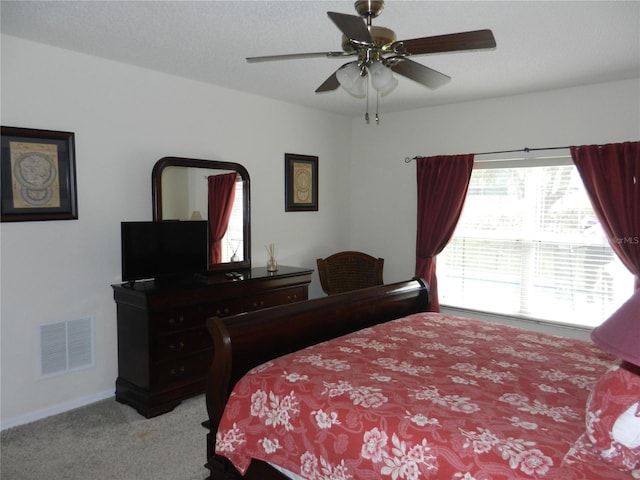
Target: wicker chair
[347, 271]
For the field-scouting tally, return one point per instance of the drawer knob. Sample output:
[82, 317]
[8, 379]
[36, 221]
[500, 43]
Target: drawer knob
[176, 372]
[178, 321]
[221, 312]
[177, 347]
[292, 298]
[259, 304]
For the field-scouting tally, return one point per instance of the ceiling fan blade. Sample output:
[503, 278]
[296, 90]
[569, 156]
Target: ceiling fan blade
[453, 42]
[417, 72]
[352, 26]
[329, 84]
[296, 56]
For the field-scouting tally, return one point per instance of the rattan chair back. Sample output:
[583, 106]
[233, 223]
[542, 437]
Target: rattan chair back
[349, 270]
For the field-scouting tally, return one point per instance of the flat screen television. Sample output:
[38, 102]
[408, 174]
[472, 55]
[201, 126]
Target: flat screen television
[163, 250]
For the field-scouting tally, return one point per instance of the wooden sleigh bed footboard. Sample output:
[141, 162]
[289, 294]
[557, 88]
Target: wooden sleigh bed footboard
[244, 341]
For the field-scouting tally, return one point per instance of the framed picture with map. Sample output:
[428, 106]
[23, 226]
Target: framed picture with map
[38, 175]
[300, 183]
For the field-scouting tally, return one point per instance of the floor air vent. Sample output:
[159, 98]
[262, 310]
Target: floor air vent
[66, 346]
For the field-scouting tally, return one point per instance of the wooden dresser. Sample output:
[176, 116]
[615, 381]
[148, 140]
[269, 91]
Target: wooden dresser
[164, 350]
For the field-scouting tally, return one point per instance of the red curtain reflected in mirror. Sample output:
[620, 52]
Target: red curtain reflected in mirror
[222, 193]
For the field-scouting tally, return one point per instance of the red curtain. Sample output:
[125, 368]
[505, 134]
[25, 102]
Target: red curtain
[222, 193]
[442, 188]
[611, 176]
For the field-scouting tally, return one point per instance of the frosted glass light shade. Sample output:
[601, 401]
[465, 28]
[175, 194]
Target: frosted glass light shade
[382, 78]
[348, 74]
[388, 87]
[351, 80]
[358, 89]
[620, 333]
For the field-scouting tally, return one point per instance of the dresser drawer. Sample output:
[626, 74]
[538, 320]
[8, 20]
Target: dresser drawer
[273, 299]
[185, 342]
[172, 320]
[187, 317]
[224, 308]
[181, 369]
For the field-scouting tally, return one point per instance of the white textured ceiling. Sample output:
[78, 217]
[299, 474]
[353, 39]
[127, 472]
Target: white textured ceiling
[541, 45]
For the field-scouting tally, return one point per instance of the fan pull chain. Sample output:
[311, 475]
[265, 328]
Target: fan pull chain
[366, 114]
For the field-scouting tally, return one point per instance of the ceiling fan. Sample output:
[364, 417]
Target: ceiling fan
[379, 53]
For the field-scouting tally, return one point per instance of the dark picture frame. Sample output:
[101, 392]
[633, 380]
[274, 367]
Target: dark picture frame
[38, 174]
[300, 183]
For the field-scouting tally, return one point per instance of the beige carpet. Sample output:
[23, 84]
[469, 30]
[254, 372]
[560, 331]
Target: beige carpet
[110, 441]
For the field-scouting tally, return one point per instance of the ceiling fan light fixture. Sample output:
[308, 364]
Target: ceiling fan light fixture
[382, 78]
[388, 87]
[351, 79]
[358, 89]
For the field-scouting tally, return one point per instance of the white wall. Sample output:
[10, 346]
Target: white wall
[125, 119]
[383, 195]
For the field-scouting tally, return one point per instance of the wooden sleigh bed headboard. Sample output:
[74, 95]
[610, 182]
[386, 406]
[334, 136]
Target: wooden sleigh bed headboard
[244, 341]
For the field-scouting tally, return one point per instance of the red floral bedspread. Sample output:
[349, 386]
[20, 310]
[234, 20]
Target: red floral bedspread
[427, 396]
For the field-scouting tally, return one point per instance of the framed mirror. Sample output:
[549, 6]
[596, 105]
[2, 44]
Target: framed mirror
[191, 189]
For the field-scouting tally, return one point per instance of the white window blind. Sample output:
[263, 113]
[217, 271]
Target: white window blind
[528, 244]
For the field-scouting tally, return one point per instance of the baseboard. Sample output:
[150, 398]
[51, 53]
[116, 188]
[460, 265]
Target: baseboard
[54, 410]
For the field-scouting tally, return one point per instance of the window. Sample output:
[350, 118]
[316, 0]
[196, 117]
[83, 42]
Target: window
[528, 244]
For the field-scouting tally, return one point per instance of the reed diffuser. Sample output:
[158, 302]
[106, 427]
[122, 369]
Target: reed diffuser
[272, 265]
[234, 255]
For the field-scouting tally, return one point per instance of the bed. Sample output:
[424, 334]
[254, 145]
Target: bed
[368, 385]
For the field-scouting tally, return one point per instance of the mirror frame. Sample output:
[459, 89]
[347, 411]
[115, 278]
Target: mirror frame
[156, 198]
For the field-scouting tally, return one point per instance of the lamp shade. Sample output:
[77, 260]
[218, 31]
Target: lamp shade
[620, 333]
[351, 79]
[358, 89]
[388, 87]
[382, 78]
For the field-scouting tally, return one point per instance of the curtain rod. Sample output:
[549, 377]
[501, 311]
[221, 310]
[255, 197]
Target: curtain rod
[526, 149]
